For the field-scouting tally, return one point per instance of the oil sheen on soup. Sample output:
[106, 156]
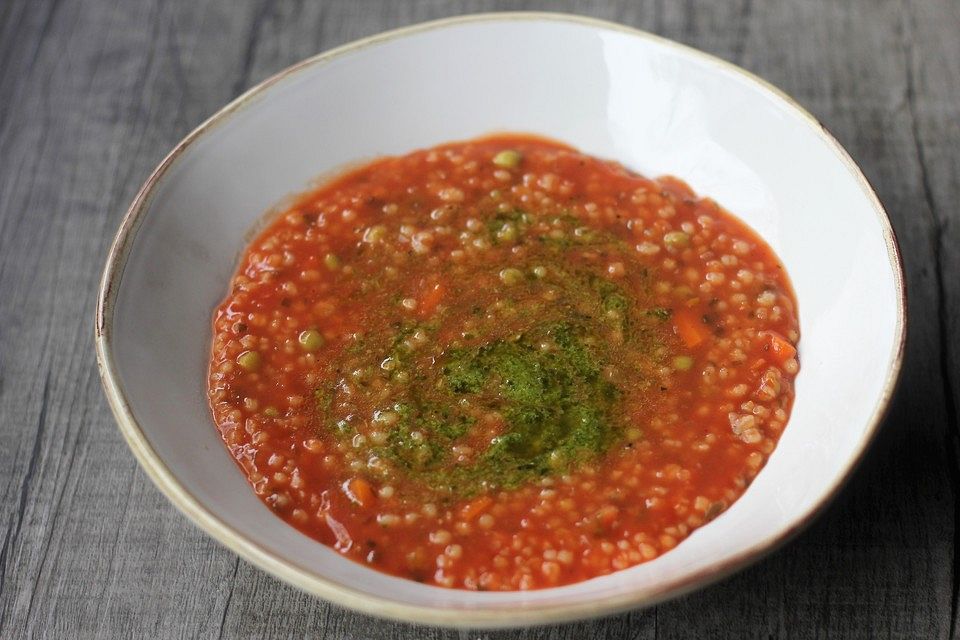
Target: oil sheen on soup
[502, 364]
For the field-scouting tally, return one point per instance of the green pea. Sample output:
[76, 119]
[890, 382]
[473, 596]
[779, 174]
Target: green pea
[557, 459]
[584, 234]
[386, 417]
[249, 360]
[540, 272]
[676, 240]
[310, 340]
[508, 159]
[271, 412]
[507, 233]
[375, 233]
[331, 261]
[682, 363]
[511, 276]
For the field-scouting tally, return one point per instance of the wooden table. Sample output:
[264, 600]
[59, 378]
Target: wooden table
[93, 94]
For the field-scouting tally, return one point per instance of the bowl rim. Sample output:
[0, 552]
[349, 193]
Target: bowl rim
[498, 616]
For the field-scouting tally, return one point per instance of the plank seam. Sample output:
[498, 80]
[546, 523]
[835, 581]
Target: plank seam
[226, 606]
[953, 438]
[253, 39]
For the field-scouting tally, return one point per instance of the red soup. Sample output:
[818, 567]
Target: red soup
[503, 364]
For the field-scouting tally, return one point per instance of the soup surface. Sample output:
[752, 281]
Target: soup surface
[503, 364]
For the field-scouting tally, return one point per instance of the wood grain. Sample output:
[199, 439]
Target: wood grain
[93, 93]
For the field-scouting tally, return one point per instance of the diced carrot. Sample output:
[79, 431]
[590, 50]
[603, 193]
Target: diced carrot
[430, 299]
[475, 507]
[690, 328]
[779, 347]
[359, 491]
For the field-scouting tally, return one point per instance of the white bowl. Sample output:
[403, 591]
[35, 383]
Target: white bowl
[654, 105]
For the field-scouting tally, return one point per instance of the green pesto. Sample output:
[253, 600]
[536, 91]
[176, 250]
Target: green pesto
[614, 301]
[557, 408]
[660, 313]
[508, 226]
[323, 399]
[538, 369]
[421, 439]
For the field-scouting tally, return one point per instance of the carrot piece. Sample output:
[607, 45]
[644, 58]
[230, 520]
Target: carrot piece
[359, 491]
[779, 347]
[690, 328]
[430, 299]
[475, 507]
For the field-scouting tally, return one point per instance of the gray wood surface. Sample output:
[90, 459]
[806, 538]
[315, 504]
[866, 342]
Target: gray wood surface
[92, 95]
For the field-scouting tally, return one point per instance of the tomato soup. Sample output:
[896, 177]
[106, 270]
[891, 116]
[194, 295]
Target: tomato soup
[503, 364]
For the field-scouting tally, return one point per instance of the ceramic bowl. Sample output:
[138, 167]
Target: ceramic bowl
[654, 105]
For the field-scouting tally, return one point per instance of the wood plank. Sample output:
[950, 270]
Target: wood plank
[932, 54]
[93, 93]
